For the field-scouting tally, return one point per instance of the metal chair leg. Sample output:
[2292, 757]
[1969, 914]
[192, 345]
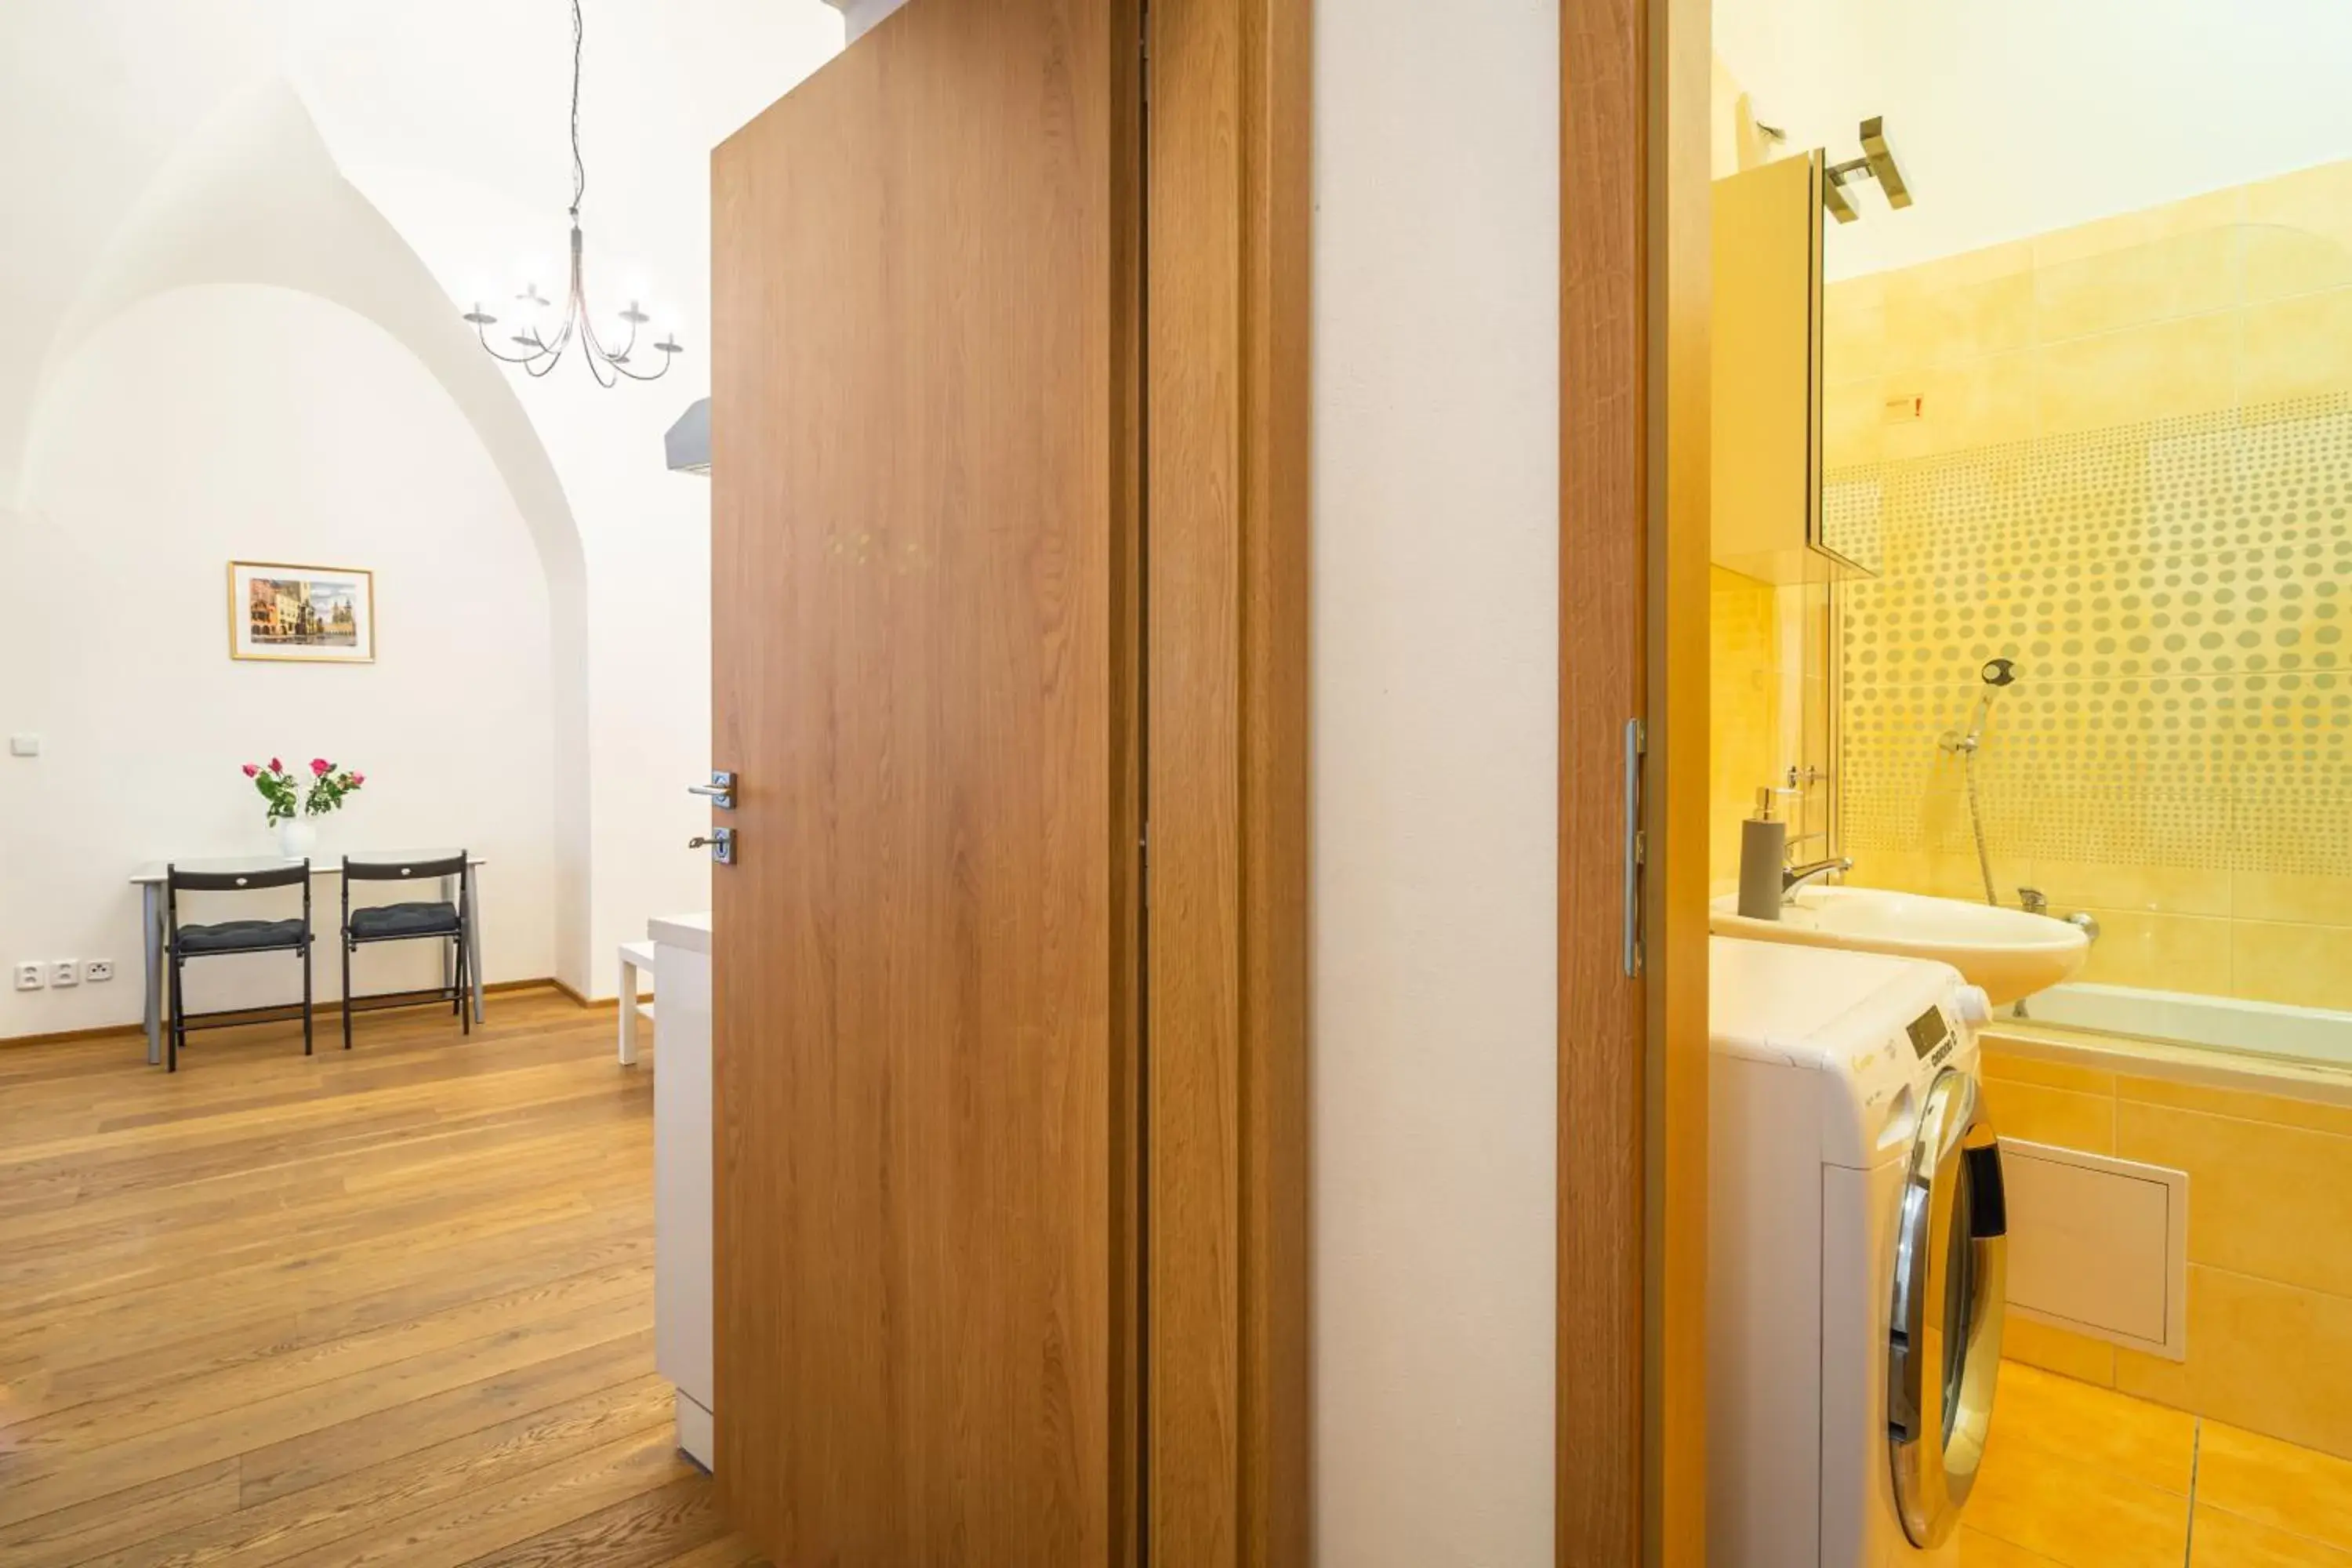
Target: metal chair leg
[465, 1013]
[304, 953]
[172, 1058]
[346, 945]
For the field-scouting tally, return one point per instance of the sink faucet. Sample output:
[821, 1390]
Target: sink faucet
[1796, 877]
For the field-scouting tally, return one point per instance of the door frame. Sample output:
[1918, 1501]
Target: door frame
[1228, 204]
[1634, 306]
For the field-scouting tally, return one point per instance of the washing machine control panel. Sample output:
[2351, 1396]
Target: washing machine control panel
[1887, 1073]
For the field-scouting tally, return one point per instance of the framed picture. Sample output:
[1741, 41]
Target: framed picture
[304, 614]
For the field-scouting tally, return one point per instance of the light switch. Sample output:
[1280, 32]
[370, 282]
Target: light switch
[24, 745]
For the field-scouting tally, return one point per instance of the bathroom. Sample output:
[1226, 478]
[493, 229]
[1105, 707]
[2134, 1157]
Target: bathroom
[2032, 549]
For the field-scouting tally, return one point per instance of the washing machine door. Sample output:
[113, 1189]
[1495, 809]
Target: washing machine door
[1944, 1335]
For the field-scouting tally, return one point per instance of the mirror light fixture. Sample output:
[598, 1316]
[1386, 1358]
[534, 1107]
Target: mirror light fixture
[541, 351]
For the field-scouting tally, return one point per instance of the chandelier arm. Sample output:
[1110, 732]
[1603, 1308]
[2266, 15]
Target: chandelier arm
[507, 359]
[551, 352]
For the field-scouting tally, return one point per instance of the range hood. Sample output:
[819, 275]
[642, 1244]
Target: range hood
[689, 441]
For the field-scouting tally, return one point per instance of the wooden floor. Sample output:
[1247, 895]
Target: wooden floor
[391, 1307]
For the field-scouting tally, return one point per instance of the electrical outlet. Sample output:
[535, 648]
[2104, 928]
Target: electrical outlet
[98, 970]
[30, 977]
[65, 971]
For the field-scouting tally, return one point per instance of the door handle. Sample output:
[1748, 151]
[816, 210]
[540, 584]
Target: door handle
[720, 789]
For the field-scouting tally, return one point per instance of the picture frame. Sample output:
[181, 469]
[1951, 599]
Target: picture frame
[279, 612]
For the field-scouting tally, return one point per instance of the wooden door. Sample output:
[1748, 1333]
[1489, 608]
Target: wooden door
[924, 555]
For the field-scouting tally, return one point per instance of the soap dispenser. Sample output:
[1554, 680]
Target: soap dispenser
[1763, 855]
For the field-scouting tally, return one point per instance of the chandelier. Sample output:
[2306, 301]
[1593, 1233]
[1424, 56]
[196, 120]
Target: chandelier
[540, 343]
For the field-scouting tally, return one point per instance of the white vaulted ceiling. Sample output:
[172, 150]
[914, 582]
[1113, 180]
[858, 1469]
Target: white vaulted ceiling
[448, 115]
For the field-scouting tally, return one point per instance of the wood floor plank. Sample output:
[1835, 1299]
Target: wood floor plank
[640, 1531]
[388, 1307]
[281, 1469]
[353, 1506]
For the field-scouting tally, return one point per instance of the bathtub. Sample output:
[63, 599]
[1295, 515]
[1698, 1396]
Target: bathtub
[2312, 1035]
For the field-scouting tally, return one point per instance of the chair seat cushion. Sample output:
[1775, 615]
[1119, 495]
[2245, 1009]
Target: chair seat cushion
[242, 936]
[404, 920]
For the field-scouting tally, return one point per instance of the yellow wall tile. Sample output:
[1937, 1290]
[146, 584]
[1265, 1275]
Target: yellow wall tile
[2274, 1483]
[2060, 1351]
[2299, 897]
[2224, 1539]
[2161, 952]
[2019, 1068]
[2155, 890]
[2303, 966]
[2299, 232]
[2155, 280]
[1979, 402]
[1933, 319]
[2062, 1117]
[2270, 1358]
[1853, 425]
[2159, 372]
[1854, 330]
[2298, 348]
[2128, 233]
[2285, 1110]
[2271, 1201]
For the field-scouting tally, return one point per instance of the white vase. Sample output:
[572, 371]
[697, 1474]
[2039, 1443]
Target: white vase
[298, 837]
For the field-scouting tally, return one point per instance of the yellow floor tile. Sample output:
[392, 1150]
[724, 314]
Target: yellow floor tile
[2225, 1541]
[2041, 1417]
[1979, 1549]
[2276, 1484]
[2076, 1514]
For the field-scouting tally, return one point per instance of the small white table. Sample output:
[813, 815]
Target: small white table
[149, 879]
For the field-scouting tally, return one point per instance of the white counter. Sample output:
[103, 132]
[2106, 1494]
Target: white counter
[691, 932]
[682, 1173]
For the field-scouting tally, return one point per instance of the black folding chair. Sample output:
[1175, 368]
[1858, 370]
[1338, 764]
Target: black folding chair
[235, 936]
[434, 919]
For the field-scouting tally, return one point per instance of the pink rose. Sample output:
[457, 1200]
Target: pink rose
[321, 766]
[358, 779]
[250, 770]
[275, 766]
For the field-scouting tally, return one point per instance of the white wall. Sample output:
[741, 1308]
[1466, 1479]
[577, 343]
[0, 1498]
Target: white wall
[1435, 746]
[143, 125]
[2012, 117]
[234, 422]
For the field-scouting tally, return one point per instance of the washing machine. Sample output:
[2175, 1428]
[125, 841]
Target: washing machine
[1855, 1261]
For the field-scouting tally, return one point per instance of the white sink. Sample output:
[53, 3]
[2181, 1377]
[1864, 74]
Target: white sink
[2011, 953]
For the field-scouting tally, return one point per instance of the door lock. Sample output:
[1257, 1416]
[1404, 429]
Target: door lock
[720, 841]
[720, 789]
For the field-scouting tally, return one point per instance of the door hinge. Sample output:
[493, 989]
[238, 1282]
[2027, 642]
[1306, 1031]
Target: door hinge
[1143, 858]
[1637, 842]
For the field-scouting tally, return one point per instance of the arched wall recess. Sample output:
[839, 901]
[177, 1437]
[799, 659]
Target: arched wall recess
[256, 197]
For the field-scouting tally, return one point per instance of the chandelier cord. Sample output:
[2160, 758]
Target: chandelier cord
[579, 168]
